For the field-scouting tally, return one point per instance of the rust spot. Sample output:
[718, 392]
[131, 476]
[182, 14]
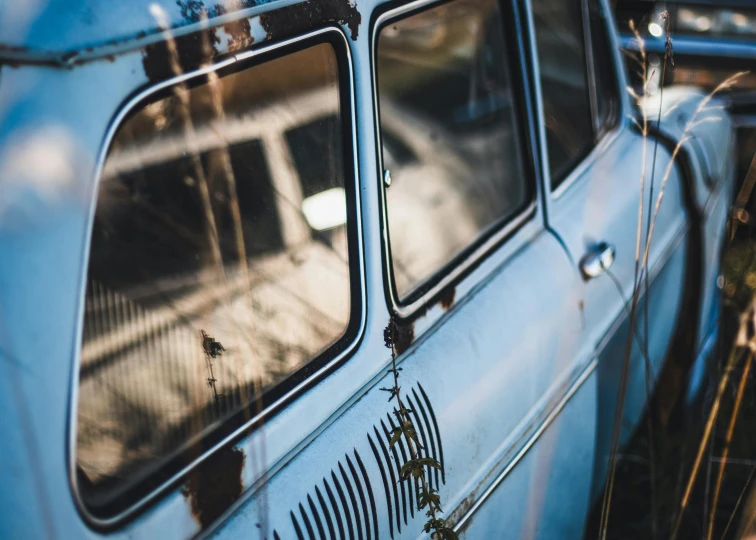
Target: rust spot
[193, 50]
[240, 34]
[214, 485]
[239, 31]
[461, 510]
[404, 333]
[290, 20]
[446, 298]
[398, 335]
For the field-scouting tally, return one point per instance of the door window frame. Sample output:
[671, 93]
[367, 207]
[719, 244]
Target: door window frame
[602, 137]
[144, 493]
[460, 266]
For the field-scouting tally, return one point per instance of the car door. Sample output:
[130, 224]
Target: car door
[595, 164]
[491, 341]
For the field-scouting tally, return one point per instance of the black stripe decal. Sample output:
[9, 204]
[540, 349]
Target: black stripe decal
[326, 513]
[425, 450]
[355, 508]
[275, 536]
[361, 493]
[391, 471]
[370, 493]
[405, 452]
[335, 507]
[385, 487]
[438, 433]
[306, 520]
[396, 468]
[318, 523]
[347, 515]
[296, 526]
[431, 441]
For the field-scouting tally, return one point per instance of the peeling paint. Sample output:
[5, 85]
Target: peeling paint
[214, 485]
[446, 298]
[404, 334]
[291, 20]
[194, 50]
[240, 35]
[461, 510]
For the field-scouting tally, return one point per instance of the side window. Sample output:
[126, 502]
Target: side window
[605, 73]
[219, 270]
[564, 84]
[450, 137]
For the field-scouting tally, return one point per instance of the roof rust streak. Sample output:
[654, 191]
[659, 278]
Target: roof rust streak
[296, 18]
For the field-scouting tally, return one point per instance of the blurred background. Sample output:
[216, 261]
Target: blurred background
[711, 40]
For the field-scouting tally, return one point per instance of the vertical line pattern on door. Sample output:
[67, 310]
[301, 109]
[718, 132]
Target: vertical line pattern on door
[354, 501]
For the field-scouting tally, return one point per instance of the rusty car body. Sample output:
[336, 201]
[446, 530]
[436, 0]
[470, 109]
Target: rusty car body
[210, 214]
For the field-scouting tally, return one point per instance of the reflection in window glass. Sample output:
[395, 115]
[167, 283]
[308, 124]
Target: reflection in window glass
[607, 94]
[219, 261]
[449, 135]
[564, 84]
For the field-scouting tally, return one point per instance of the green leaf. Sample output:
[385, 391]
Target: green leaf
[408, 429]
[429, 462]
[431, 497]
[396, 434]
[411, 468]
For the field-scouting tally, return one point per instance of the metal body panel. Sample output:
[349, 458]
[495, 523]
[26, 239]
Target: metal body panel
[506, 373]
[470, 379]
[61, 31]
[547, 494]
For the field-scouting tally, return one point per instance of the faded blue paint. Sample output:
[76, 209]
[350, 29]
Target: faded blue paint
[524, 332]
[59, 27]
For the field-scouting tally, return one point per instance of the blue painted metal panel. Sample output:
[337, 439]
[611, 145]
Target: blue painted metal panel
[492, 370]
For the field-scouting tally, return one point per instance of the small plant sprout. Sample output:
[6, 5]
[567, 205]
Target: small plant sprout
[415, 468]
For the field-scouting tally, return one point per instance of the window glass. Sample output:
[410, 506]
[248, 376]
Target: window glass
[607, 93]
[564, 84]
[219, 261]
[449, 134]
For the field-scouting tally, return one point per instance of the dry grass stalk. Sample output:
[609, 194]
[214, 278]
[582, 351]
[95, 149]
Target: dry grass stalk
[691, 123]
[743, 340]
[744, 195]
[606, 504]
[737, 503]
[182, 93]
[728, 441]
[641, 266]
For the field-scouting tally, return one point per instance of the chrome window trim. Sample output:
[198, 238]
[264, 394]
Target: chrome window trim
[502, 230]
[282, 401]
[698, 46]
[590, 66]
[569, 388]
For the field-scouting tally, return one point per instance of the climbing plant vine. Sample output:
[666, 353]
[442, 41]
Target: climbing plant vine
[415, 468]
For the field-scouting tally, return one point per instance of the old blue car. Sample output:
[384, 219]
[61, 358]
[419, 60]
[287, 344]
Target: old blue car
[221, 225]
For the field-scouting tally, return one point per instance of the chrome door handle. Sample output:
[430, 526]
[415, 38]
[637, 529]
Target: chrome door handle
[597, 260]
